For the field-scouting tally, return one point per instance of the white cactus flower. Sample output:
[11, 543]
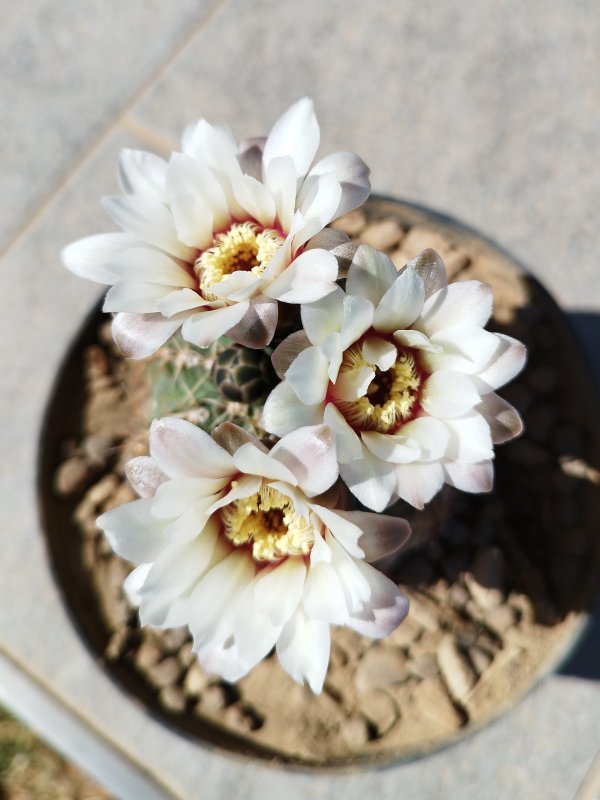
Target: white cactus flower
[233, 540]
[220, 233]
[400, 366]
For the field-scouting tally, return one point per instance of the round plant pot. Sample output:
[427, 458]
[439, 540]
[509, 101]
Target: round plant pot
[499, 584]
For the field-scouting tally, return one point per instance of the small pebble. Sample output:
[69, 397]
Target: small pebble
[71, 476]
[147, 655]
[381, 666]
[355, 731]
[456, 670]
[500, 619]
[383, 235]
[379, 709]
[172, 698]
[431, 700]
[352, 224]
[480, 659]
[164, 673]
[214, 698]
[196, 680]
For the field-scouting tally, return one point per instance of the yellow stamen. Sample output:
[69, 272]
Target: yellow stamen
[390, 397]
[245, 246]
[270, 522]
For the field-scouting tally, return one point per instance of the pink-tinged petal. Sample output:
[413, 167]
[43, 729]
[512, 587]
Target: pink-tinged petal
[91, 257]
[320, 202]
[278, 591]
[401, 304]
[187, 176]
[212, 597]
[286, 352]
[506, 364]
[280, 180]
[175, 497]
[358, 317]
[430, 268]
[179, 301]
[370, 479]
[257, 326]
[295, 134]
[244, 486]
[470, 439]
[418, 483]
[152, 266]
[386, 608]
[333, 350]
[417, 340]
[504, 420]
[231, 437]
[148, 219]
[380, 352]
[284, 412]
[144, 475]
[134, 297]
[463, 303]
[309, 277]
[254, 198]
[307, 376]
[430, 434]
[380, 534]
[338, 244]
[448, 394]
[463, 348]
[142, 173]
[251, 460]
[181, 450]
[310, 454]
[370, 275]
[343, 530]
[133, 532]
[205, 327]
[348, 444]
[475, 478]
[324, 598]
[250, 153]
[324, 316]
[237, 286]
[214, 145]
[193, 221]
[140, 335]
[353, 384]
[352, 174]
[395, 448]
[303, 649]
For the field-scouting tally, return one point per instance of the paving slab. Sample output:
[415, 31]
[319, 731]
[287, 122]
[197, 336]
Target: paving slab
[66, 69]
[489, 111]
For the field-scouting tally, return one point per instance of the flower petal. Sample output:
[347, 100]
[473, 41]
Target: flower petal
[358, 317]
[324, 598]
[142, 173]
[284, 412]
[253, 196]
[181, 450]
[474, 478]
[280, 180]
[386, 608]
[134, 297]
[310, 454]
[91, 257]
[380, 534]
[278, 591]
[214, 145]
[504, 420]
[152, 266]
[205, 327]
[144, 475]
[323, 316]
[230, 437]
[140, 335]
[303, 649]
[448, 394]
[307, 376]
[380, 352]
[417, 340]
[353, 384]
[348, 444]
[352, 174]
[193, 221]
[257, 326]
[133, 532]
[309, 277]
[175, 497]
[179, 301]
[370, 275]
[370, 479]
[506, 364]
[430, 434]
[395, 448]
[250, 153]
[463, 303]
[295, 134]
[430, 268]
[401, 304]
[253, 461]
[188, 176]
[285, 353]
[318, 202]
[470, 439]
[149, 220]
[418, 483]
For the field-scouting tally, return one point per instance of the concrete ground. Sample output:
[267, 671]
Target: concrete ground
[489, 112]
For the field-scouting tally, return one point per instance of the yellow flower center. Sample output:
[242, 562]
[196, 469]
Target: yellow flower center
[245, 246]
[391, 397]
[270, 523]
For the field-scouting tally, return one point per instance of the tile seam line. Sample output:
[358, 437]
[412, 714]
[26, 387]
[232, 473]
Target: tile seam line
[117, 120]
[40, 686]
